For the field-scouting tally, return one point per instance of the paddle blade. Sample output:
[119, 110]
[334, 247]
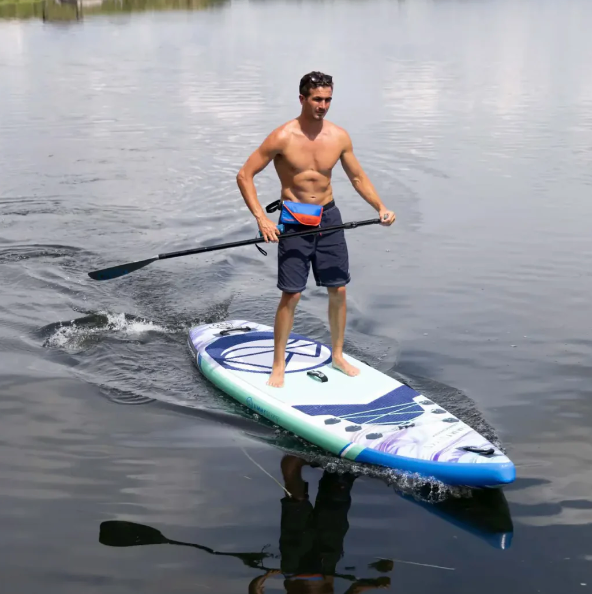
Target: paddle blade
[121, 270]
[253, 560]
[116, 533]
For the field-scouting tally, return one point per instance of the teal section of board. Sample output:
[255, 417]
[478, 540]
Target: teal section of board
[274, 412]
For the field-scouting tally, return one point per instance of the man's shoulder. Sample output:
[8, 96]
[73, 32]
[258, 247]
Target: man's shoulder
[280, 135]
[338, 131]
[286, 129]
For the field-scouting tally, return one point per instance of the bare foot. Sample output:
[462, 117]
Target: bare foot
[341, 364]
[276, 379]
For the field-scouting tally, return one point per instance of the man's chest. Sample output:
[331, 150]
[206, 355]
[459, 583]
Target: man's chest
[315, 155]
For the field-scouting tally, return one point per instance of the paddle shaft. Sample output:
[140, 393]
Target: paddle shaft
[118, 533]
[253, 564]
[232, 244]
[123, 269]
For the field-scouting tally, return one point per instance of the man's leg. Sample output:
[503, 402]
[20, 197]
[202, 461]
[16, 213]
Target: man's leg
[337, 316]
[284, 320]
[293, 266]
[292, 472]
[297, 525]
[330, 265]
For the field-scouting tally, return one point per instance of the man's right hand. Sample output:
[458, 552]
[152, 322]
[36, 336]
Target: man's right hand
[268, 229]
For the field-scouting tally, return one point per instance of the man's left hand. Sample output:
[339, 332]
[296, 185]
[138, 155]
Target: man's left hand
[387, 217]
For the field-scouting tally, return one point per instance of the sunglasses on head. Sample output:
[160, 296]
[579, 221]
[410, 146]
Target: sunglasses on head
[316, 79]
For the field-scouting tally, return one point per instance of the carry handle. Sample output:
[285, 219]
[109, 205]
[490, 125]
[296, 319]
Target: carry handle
[486, 451]
[229, 330]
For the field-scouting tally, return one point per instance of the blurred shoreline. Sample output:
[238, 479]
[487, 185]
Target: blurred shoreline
[76, 10]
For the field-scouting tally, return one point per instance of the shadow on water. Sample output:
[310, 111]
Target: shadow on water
[311, 541]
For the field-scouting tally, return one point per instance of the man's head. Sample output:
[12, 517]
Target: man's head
[316, 91]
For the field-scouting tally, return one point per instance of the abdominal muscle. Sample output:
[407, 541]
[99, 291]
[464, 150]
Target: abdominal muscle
[311, 187]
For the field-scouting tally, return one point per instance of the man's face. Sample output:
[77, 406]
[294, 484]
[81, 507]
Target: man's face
[316, 105]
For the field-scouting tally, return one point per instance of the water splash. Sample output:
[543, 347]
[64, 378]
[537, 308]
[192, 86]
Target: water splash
[414, 485]
[77, 334]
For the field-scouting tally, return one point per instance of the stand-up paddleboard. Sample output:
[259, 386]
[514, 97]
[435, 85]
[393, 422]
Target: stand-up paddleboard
[370, 418]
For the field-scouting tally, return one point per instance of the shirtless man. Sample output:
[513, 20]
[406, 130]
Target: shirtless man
[304, 152]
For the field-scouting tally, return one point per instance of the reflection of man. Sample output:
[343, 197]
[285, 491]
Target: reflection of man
[311, 541]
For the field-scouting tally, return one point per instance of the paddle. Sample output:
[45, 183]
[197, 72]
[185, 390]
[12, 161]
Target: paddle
[123, 269]
[118, 533]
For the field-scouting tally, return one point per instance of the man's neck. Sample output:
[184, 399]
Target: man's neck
[310, 126]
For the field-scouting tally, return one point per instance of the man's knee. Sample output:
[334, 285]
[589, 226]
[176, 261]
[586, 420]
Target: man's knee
[290, 299]
[336, 293]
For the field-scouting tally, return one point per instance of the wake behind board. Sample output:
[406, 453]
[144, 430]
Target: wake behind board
[370, 418]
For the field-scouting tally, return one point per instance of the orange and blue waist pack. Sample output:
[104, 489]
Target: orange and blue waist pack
[294, 213]
[297, 213]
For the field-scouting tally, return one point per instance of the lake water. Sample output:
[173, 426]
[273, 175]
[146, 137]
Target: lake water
[122, 127]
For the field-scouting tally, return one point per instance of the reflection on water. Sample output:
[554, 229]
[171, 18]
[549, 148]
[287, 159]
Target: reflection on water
[120, 533]
[75, 10]
[312, 535]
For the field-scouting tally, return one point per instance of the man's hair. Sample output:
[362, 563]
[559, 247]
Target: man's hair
[314, 79]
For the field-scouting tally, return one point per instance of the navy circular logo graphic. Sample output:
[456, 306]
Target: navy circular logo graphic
[253, 353]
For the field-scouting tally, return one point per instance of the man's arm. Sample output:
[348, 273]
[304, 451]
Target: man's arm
[258, 161]
[361, 183]
[256, 586]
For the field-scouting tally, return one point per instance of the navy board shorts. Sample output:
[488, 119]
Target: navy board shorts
[326, 252]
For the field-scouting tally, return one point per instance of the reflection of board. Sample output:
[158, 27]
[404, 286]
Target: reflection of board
[369, 418]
